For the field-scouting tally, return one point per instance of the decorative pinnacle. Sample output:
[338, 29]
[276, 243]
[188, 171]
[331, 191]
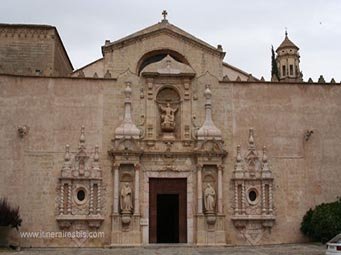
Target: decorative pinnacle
[164, 14]
[265, 157]
[239, 157]
[286, 32]
[265, 167]
[127, 129]
[82, 136]
[67, 153]
[127, 90]
[96, 157]
[251, 139]
[208, 130]
[208, 93]
[239, 165]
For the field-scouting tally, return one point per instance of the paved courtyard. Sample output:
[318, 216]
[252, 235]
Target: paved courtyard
[286, 249]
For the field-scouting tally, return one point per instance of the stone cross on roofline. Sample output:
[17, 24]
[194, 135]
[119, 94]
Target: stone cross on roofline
[164, 14]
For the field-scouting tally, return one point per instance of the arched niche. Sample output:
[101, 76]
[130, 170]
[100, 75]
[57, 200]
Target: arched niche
[157, 55]
[168, 102]
[127, 173]
[210, 175]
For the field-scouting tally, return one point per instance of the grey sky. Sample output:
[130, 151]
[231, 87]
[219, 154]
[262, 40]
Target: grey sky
[246, 29]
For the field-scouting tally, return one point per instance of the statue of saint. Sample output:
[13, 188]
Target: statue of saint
[126, 198]
[209, 198]
[168, 117]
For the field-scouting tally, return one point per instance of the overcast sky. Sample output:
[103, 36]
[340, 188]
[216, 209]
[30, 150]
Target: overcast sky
[246, 29]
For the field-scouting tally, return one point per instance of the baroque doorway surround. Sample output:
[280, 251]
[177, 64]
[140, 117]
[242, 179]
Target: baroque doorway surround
[167, 162]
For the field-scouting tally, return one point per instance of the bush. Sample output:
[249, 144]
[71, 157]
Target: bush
[322, 223]
[9, 216]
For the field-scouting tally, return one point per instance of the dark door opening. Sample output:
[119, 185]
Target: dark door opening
[167, 210]
[167, 218]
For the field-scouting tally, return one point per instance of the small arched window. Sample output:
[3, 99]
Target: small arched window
[284, 71]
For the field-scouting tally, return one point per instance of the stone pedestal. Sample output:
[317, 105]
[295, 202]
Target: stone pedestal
[168, 136]
[125, 234]
[210, 234]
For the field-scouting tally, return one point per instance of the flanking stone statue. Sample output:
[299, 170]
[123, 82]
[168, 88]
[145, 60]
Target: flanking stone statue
[209, 204]
[126, 199]
[126, 203]
[209, 198]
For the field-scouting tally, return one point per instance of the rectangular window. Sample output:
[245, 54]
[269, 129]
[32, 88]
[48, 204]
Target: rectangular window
[291, 70]
[283, 71]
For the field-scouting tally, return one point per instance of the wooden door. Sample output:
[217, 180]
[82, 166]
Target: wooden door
[176, 189]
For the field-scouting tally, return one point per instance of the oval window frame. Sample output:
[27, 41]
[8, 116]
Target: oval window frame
[255, 190]
[86, 197]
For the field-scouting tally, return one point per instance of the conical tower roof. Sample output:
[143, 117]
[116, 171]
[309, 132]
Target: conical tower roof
[287, 43]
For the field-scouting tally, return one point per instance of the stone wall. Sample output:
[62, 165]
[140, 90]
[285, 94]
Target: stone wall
[54, 110]
[305, 170]
[32, 50]
[62, 64]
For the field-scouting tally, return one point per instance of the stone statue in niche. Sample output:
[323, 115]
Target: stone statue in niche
[126, 198]
[209, 198]
[168, 117]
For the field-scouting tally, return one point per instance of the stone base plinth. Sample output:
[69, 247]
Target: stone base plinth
[125, 234]
[210, 234]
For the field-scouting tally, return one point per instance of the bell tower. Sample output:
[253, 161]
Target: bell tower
[288, 61]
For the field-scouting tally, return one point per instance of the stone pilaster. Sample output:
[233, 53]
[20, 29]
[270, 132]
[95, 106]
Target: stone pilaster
[137, 190]
[199, 189]
[220, 189]
[116, 188]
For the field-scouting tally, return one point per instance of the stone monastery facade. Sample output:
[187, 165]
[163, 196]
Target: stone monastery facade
[161, 141]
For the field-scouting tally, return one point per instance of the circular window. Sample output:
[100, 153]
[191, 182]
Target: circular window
[252, 195]
[81, 195]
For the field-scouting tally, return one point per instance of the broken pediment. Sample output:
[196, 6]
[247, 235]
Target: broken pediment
[168, 66]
